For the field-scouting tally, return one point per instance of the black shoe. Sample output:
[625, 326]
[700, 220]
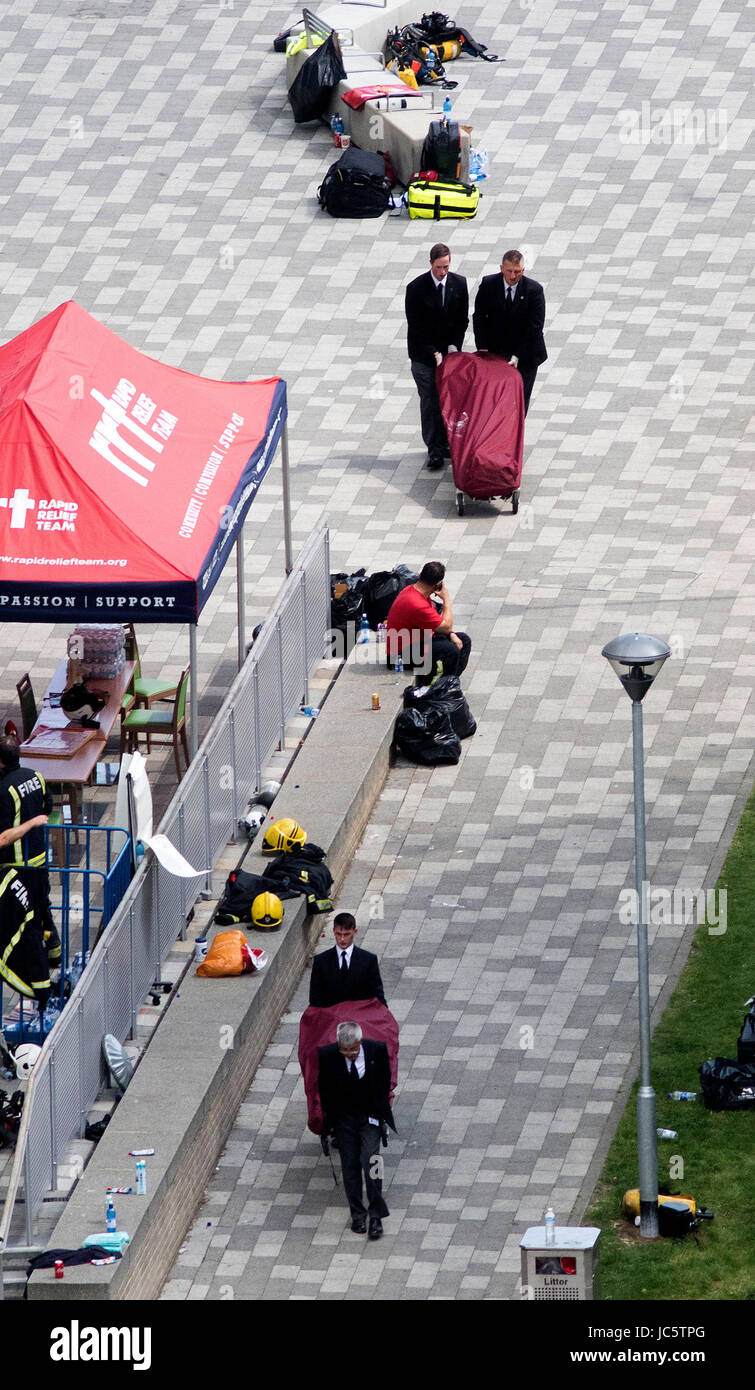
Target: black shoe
[435, 462]
[376, 1228]
[359, 1226]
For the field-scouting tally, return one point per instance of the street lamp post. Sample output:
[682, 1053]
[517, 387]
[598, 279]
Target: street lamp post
[637, 658]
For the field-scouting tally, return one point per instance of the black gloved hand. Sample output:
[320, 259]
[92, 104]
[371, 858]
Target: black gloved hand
[324, 1145]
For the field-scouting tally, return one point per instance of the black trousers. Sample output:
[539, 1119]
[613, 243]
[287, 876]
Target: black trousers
[452, 660]
[528, 381]
[359, 1147]
[431, 420]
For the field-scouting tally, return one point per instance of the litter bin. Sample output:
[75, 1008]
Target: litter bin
[568, 1269]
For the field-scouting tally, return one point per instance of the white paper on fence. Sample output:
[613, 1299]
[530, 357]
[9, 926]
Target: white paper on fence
[170, 858]
[134, 764]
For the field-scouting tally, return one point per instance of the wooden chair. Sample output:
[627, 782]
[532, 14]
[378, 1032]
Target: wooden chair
[145, 691]
[150, 722]
[28, 704]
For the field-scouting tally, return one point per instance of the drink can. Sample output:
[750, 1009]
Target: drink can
[376, 701]
[59, 1269]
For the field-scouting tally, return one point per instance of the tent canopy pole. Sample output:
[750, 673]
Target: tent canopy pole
[241, 643]
[286, 500]
[193, 688]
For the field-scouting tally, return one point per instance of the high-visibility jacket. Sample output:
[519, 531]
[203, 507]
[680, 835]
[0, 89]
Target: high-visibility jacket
[23, 957]
[23, 795]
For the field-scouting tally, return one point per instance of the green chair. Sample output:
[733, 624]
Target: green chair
[145, 691]
[142, 692]
[151, 722]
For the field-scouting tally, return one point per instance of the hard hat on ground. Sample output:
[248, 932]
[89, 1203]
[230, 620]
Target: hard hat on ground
[267, 912]
[283, 834]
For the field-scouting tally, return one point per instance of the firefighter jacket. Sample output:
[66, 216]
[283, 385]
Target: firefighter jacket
[23, 795]
[23, 957]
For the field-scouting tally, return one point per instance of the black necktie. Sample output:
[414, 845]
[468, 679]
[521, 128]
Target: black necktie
[442, 297]
[344, 964]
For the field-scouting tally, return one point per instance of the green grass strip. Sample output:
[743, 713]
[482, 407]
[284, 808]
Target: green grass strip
[713, 1159]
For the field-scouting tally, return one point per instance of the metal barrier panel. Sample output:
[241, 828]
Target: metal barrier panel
[268, 695]
[292, 644]
[152, 914]
[38, 1174]
[221, 801]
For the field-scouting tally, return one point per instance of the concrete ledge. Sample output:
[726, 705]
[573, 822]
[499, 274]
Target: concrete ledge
[401, 132]
[187, 1089]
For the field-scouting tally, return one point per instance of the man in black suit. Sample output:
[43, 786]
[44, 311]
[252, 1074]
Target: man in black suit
[437, 315]
[355, 1082]
[345, 972]
[509, 315]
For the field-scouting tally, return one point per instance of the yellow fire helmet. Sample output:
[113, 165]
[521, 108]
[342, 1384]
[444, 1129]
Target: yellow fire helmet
[283, 834]
[267, 912]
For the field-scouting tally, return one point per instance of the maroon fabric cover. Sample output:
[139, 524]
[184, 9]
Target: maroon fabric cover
[318, 1027]
[482, 404]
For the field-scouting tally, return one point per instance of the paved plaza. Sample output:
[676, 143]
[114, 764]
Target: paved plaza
[153, 172]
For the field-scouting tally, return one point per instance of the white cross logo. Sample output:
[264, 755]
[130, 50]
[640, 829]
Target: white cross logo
[20, 503]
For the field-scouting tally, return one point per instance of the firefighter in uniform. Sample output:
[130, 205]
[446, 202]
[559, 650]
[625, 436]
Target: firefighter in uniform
[24, 800]
[23, 955]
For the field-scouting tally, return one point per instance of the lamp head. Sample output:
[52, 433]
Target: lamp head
[636, 658]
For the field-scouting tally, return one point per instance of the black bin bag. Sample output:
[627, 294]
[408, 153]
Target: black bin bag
[447, 694]
[382, 588]
[728, 1085]
[346, 609]
[310, 90]
[427, 736]
[746, 1039]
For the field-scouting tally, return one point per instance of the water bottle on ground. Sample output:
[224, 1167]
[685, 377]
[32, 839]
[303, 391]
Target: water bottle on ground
[667, 1134]
[141, 1177]
[446, 109]
[364, 630]
[682, 1095]
[110, 1217]
[399, 667]
[550, 1226]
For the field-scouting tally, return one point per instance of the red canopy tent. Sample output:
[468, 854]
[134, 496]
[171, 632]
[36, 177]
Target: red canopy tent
[124, 482]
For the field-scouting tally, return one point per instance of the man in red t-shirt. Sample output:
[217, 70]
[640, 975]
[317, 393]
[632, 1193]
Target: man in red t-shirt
[424, 637]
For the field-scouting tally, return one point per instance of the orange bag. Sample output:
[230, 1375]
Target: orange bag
[228, 955]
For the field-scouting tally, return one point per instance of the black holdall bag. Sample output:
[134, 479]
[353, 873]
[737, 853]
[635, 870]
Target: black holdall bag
[356, 185]
[442, 150]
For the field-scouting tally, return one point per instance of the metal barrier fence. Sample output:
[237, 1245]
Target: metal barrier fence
[200, 820]
[79, 894]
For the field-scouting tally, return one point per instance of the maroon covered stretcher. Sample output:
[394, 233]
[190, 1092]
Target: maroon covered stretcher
[318, 1027]
[482, 404]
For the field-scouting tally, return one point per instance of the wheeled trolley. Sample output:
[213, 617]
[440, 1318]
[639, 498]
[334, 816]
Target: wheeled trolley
[482, 403]
[318, 1027]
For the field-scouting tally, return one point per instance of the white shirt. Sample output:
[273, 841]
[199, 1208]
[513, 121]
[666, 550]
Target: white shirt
[361, 1066]
[347, 953]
